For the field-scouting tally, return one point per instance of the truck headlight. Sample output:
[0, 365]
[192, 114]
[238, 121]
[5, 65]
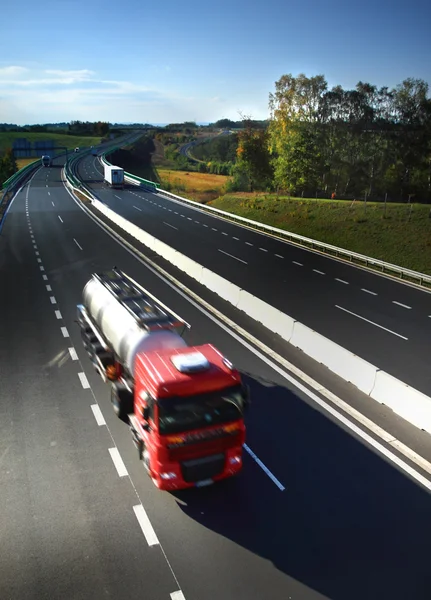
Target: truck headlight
[168, 475]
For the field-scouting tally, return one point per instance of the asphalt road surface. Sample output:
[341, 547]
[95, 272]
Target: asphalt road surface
[381, 320]
[80, 518]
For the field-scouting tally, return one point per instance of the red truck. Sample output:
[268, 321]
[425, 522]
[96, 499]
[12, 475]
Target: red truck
[184, 405]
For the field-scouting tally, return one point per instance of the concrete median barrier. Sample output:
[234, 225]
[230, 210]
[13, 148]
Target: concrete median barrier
[347, 365]
[270, 317]
[222, 287]
[404, 400]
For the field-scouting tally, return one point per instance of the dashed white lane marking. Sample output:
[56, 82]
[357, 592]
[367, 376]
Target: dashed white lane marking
[368, 292]
[232, 256]
[265, 468]
[169, 225]
[80, 247]
[214, 229]
[84, 381]
[195, 221]
[224, 233]
[177, 595]
[371, 322]
[42, 268]
[204, 224]
[278, 256]
[342, 281]
[73, 354]
[175, 212]
[119, 197]
[48, 288]
[317, 271]
[295, 262]
[144, 522]
[65, 332]
[49, 193]
[37, 253]
[45, 277]
[183, 216]
[189, 219]
[118, 462]
[58, 314]
[100, 419]
[39, 260]
[263, 249]
[61, 220]
[249, 244]
[233, 237]
[137, 208]
[52, 203]
[53, 300]
[400, 304]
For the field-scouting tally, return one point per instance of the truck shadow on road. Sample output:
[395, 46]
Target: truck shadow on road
[349, 525]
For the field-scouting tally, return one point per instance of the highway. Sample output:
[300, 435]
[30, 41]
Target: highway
[381, 320]
[80, 517]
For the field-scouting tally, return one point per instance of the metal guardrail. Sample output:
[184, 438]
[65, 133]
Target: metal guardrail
[16, 176]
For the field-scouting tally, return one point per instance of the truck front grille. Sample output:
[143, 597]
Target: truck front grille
[202, 468]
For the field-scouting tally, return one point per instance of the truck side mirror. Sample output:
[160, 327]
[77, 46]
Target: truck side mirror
[146, 413]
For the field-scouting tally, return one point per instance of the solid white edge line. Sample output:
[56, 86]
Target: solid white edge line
[118, 462]
[100, 419]
[73, 354]
[265, 468]
[84, 381]
[145, 523]
[372, 322]
[231, 328]
[65, 332]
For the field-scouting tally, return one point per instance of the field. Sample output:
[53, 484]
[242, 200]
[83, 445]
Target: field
[402, 236]
[23, 162]
[202, 187]
[69, 141]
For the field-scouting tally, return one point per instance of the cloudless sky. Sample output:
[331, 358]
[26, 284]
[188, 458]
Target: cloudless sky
[170, 61]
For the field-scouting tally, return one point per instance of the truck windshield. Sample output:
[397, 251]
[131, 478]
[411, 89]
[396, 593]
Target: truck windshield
[193, 412]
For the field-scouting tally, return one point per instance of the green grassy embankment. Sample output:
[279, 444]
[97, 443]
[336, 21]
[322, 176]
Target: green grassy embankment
[401, 237]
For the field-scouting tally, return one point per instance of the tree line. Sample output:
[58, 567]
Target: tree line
[367, 142]
[8, 165]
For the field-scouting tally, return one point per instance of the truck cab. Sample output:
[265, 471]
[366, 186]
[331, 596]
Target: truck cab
[188, 416]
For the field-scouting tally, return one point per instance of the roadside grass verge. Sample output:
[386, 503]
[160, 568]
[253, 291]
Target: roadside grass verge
[401, 235]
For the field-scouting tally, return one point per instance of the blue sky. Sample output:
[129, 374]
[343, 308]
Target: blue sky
[171, 61]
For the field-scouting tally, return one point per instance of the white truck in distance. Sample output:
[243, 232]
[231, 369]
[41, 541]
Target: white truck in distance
[114, 176]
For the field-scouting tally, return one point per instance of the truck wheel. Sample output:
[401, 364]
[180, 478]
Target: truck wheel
[122, 401]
